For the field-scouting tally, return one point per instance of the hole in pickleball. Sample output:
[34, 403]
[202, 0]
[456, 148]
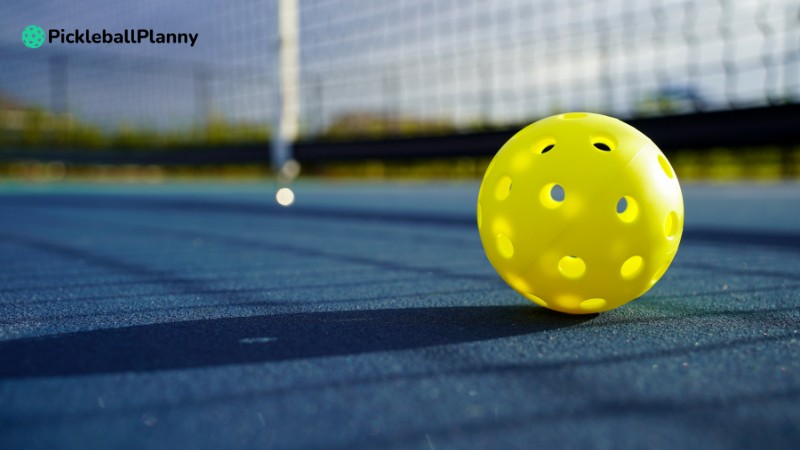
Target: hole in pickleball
[536, 300]
[571, 267]
[622, 205]
[627, 209]
[552, 195]
[602, 146]
[593, 304]
[573, 115]
[557, 193]
[504, 246]
[671, 225]
[632, 267]
[544, 145]
[503, 188]
[603, 143]
[662, 161]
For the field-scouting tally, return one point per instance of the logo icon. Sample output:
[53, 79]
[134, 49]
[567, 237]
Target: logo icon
[33, 36]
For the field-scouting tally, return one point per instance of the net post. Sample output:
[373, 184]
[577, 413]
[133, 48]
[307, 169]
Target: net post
[285, 127]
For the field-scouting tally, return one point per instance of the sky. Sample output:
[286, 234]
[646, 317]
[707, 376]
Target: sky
[460, 61]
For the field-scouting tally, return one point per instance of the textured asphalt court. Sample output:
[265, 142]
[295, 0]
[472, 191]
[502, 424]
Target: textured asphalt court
[366, 316]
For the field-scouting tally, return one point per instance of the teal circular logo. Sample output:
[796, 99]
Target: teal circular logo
[33, 36]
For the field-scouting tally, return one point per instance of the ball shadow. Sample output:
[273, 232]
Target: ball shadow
[257, 339]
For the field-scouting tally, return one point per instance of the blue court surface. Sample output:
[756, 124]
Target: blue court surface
[367, 316]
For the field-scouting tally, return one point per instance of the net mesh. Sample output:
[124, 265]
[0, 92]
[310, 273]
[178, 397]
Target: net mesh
[404, 67]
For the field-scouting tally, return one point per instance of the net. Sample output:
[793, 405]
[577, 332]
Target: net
[387, 68]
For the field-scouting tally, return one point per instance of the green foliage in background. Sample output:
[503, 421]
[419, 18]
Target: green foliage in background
[33, 128]
[352, 126]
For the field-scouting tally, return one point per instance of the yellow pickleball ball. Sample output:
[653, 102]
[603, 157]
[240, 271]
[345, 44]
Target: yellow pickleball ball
[580, 213]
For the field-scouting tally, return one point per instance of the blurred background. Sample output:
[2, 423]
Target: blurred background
[401, 89]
